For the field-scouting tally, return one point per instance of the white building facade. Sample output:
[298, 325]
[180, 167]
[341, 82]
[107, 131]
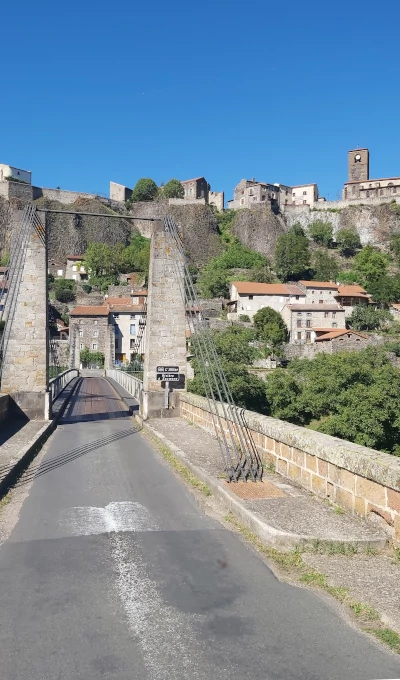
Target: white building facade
[248, 297]
[9, 172]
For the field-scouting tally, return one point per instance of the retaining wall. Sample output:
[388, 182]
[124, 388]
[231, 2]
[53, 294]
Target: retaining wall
[362, 481]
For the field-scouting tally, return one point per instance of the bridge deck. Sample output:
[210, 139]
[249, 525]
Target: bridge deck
[94, 399]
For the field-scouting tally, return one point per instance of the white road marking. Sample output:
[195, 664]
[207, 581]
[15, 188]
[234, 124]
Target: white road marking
[117, 516]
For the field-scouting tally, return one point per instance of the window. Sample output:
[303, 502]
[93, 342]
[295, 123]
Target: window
[95, 334]
[250, 297]
[333, 315]
[95, 322]
[367, 194]
[297, 297]
[74, 277]
[321, 302]
[334, 324]
[263, 198]
[116, 316]
[248, 308]
[135, 300]
[353, 189]
[294, 193]
[81, 346]
[82, 269]
[308, 323]
[298, 323]
[133, 316]
[94, 345]
[59, 272]
[304, 202]
[299, 336]
[74, 267]
[298, 313]
[133, 329]
[304, 193]
[313, 291]
[132, 344]
[326, 315]
[308, 313]
[81, 332]
[242, 201]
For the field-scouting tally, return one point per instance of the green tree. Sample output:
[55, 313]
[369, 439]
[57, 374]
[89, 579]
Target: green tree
[292, 254]
[370, 265]
[394, 247]
[321, 232]
[233, 344]
[270, 328]
[136, 256]
[5, 259]
[64, 290]
[325, 266]
[213, 283]
[348, 241]
[99, 260]
[262, 275]
[145, 189]
[173, 189]
[347, 277]
[386, 290]
[239, 256]
[366, 318]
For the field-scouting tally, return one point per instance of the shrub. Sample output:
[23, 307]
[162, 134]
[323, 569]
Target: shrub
[244, 318]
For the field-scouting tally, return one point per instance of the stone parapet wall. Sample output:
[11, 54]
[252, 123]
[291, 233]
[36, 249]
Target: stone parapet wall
[60, 195]
[4, 407]
[363, 481]
[18, 190]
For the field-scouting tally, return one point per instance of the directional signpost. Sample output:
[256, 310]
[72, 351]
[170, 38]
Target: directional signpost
[167, 374]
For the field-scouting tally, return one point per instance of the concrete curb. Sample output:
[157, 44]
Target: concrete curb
[281, 540]
[25, 455]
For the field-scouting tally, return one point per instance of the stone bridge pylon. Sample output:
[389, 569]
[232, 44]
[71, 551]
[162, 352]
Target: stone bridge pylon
[25, 350]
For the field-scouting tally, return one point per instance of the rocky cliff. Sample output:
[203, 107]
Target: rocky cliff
[258, 228]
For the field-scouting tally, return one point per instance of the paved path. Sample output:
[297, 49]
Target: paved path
[113, 571]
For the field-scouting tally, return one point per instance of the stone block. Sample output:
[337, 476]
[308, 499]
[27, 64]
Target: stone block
[360, 506]
[306, 479]
[372, 492]
[270, 444]
[311, 463]
[299, 457]
[282, 467]
[322, 468]
[396, 525]
[294, 472]
[344, 498]
[318, 485]
[393, 500]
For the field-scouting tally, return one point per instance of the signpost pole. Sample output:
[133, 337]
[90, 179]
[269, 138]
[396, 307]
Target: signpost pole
[166, 398]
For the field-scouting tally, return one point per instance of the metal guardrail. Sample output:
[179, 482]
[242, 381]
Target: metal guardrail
[127, 381]
[57, 384]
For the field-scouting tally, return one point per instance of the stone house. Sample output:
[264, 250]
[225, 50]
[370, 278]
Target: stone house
[196, 188]
[75, 268]
[250, 192]
[129, 321]
[341, 340]
[306, 322]
[350, 296]
[318, 292]
[248, 297]
[89, 328]
[305, 194]
[8, 172]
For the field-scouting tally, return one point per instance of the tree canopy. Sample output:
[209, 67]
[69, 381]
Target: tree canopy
[370, 265]
[145, 189]
[348, 241]
[354, 396]
[292, 254]
[173, 189]
[325, 266]
[270, 327]
[321, 232]
[366, 318]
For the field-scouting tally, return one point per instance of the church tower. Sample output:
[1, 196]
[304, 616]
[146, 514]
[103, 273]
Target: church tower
[358, 165]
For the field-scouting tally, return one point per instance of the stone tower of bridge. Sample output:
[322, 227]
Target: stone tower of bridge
[166, 323]
[25, 361]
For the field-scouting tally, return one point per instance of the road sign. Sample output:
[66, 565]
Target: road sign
[168, 377]
[167, 369]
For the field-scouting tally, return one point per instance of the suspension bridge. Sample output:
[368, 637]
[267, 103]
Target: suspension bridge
[27, 351]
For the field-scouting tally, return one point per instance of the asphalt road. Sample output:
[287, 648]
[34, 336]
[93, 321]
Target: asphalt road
[113, 571]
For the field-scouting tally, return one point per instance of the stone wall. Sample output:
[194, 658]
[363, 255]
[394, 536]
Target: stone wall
[16, 190]
[61, 195]
[59, 353]
[360, 480]
[4, 406]
[90, 330]
[374, 223]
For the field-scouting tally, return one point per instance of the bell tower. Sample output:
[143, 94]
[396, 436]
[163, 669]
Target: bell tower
[358, 160]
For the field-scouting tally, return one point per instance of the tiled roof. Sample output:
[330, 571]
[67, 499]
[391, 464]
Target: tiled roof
[319, 284]
[336, 333]
[126, 308]
[251, 288]
[89, 310]
[315, 307]
[396, 305]
[118, 301]
[352, 291]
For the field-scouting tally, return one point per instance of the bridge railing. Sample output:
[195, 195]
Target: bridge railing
[57, 384]
[132, 385]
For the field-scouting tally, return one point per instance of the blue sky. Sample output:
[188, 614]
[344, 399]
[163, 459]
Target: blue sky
[93, 92]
